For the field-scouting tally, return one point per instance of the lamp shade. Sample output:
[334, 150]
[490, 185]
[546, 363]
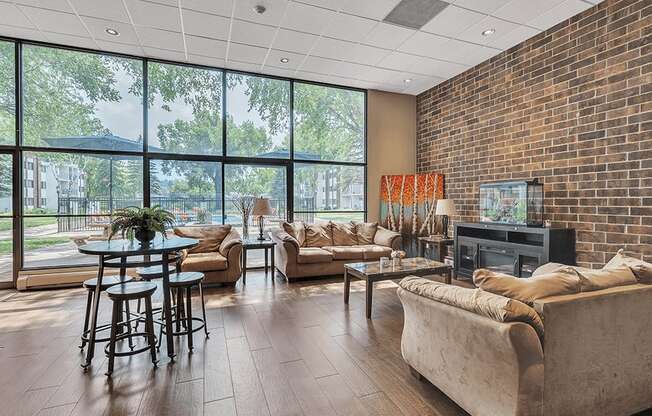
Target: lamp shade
[445, 207]
[262, 207]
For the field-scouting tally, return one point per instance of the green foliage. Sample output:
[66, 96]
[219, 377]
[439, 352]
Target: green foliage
[128, 220]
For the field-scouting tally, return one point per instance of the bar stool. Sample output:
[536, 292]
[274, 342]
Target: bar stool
[183, 283]
[124, 293]
[90, 286]
[148, 274]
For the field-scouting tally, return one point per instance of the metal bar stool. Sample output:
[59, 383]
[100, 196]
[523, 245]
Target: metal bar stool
[90, 286]
[124, 293]
[183, 283]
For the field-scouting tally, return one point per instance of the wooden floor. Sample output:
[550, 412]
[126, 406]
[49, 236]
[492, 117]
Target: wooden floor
[274, 349]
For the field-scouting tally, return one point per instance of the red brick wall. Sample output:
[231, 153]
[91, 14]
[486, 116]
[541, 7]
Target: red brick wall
[571, 106]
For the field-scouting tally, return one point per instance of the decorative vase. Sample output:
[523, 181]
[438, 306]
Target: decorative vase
[144, 235]
[245, 226]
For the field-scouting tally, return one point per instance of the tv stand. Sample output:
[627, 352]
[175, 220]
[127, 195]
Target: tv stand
[509, 249]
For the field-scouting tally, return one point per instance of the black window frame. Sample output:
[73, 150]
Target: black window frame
[18, 149]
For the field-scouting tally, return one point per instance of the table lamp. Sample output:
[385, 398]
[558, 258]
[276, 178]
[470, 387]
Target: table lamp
[445, 208]
[262, 207]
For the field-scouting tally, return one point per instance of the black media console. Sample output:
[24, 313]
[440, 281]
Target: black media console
[515, 250]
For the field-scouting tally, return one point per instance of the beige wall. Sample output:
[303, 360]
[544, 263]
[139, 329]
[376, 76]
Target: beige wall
[391, 141]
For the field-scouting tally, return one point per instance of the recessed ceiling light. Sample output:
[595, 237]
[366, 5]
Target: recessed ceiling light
[488, 32]
[112, 31]
[407, 80]
[284, 60]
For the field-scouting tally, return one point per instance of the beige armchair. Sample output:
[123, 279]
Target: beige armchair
[217, 255]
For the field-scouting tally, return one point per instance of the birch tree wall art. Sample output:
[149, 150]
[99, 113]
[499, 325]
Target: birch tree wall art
[408, 202]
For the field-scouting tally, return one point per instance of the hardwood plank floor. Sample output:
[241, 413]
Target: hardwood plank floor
[274, 349]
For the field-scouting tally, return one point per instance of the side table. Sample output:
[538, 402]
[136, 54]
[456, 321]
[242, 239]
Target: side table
[439, 241]
[253, 243]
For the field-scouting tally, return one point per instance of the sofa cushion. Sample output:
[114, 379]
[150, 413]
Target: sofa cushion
[366, 231]
[204, 262]
[547, 268]
[296, 229]
[374, 251]
[564, 281]
[346, 252]
[385, 237]
[344, 234]
[210, 236]
[496, 307]
[641, 269]
[309, 255]
[318, 235]
[603, 279]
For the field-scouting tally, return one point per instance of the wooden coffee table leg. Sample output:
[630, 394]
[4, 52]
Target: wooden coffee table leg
[370, 289]
[347, 286]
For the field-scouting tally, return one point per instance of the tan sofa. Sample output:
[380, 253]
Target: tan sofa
[308, 250]
[217, 255]
[593, 359]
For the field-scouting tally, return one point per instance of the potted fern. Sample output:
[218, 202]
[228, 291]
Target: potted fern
[141, 223]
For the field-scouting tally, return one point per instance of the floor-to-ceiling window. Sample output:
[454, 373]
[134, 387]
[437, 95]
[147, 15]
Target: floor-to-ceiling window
[83, 134]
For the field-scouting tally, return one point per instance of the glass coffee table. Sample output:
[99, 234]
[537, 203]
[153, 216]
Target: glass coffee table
[372, 271]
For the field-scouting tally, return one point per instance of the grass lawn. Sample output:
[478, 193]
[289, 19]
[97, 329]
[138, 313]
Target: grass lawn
[30, 222]
[33, 243]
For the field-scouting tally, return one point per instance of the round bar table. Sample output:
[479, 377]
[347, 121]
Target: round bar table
[122, 250]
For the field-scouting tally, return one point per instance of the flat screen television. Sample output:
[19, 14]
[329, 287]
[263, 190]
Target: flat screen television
[512, 203]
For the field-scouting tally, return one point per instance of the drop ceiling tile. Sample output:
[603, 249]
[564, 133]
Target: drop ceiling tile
[474, 33]
[351, 70]
[274, 59]
[165, 54]
[452, 21]
[252, 33]
[203, 24]
[327, 4]
[558, 14]
[423, 44]
[521, 11]
[70, 40]
[244, 9]
[121, 48]
[243, 66]
[512, 38]
[290, 40]
[59, 5]
[306, 18]
[373, 9]
[53, 21]
[155, 38]
[10, 15]
[22, 33]
[101, 9]
[422, 65]
[331, 48]
[466, 53]
[221, 7]
[364, 54]
[98, 27]
[246, 53]
[483, 6]
[387, 36]
[418, 88]
[173, 3]
[206, 60]
[205, 46]
[348, 27]
[154, 15]
[318, 65]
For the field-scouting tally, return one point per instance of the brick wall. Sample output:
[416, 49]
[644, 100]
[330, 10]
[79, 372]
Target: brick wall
[571, 106]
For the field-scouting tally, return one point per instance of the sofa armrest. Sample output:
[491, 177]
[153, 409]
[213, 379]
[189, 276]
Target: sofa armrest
[387, 238]
[286, 240]
[232, 239]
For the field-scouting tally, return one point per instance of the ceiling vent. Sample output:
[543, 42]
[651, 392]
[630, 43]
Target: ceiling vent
[415, 13]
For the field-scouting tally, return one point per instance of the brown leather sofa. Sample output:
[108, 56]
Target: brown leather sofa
[308, 250]
[217, 255]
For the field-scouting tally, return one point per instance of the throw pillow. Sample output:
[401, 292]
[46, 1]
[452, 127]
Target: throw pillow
[641, 269]
[366, 231]
[344, 234]
[603, 279]
[318, 235]
[210, 236]
[564, 281]
[295, 229]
